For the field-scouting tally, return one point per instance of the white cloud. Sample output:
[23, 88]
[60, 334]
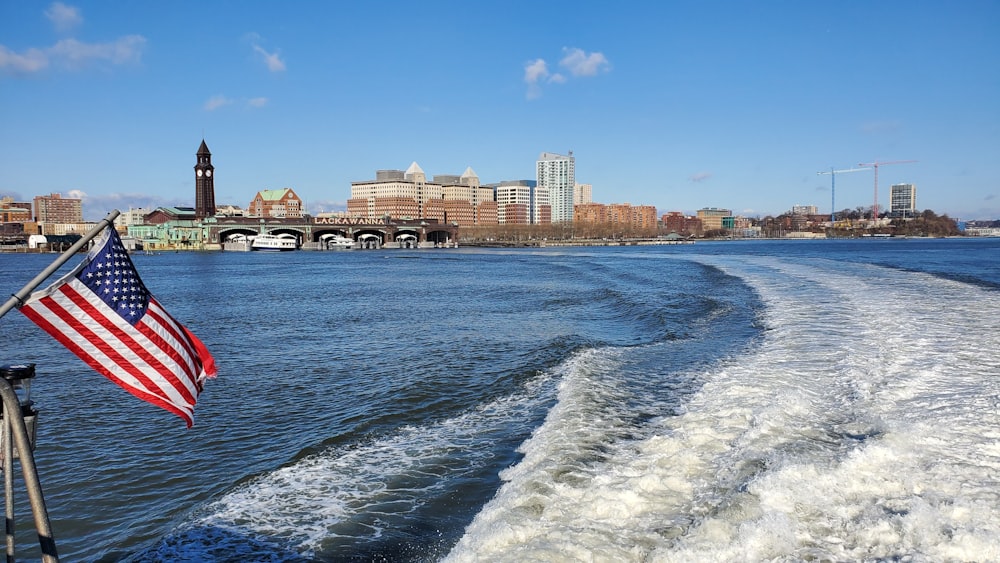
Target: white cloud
[576, 61]
[63, 17]
[32, 60]
[580, 63]
[535, 71]
[272, 60]
[76, 53]
[76, 194]
[700, 176]
[257, 102]
[72, 53]
[216, 102]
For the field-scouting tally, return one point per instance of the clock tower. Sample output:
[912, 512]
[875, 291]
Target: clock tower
[204, 184]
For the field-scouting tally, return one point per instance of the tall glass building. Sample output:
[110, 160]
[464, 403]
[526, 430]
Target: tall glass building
[557, 176]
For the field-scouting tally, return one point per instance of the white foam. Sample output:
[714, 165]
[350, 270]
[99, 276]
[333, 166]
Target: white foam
[353, 491]
[864, 426]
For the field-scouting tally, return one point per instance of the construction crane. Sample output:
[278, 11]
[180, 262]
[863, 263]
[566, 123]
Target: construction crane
[833, 202]
[875, 165]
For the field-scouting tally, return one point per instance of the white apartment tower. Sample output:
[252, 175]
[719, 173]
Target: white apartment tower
[583, 193]
[557, 177]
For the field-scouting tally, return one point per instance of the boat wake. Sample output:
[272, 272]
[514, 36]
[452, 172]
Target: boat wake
[864, 425]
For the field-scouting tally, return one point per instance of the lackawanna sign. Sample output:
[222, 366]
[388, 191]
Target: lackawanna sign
[341, 221]
[357, 221]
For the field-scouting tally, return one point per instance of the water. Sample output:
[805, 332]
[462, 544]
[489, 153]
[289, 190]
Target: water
[828, 400]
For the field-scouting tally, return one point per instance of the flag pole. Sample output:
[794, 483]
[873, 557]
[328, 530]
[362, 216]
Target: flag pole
[19, 297]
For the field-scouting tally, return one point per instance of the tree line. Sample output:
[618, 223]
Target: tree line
[925, 223]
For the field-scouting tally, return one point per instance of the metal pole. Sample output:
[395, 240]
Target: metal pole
[15, 420]
[8, 481]
[19, 297]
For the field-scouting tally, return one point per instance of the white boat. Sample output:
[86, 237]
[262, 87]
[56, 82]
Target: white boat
[339, 243]
[273, 243]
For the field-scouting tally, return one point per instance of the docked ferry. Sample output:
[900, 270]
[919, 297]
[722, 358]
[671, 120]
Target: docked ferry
[339, 243]
[274, 243]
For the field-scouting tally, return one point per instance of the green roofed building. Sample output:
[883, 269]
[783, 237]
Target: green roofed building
[278, 204]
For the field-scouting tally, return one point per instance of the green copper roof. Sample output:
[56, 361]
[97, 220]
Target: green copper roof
[271, 195]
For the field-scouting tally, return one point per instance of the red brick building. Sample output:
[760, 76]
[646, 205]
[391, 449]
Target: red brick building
[278, 204]
[55, 208]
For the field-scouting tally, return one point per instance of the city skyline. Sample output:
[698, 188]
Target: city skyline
[682, 106]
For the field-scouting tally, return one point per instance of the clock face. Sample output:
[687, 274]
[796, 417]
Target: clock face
[208, 173]
[199, 173]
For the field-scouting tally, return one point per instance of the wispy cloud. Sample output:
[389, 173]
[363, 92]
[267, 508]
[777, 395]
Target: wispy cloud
[220, 101]
[64, 17]
[580, 63]
[576, 61]
[700, 176]
[71, 53]
[124, 50]
[272, 60]
[216, 102]
[28, 62]
[535, 73]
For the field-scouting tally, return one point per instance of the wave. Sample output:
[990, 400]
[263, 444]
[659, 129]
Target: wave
[863, 425]
[377, 496]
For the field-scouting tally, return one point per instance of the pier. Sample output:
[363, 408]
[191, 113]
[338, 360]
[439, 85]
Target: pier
[310, 232]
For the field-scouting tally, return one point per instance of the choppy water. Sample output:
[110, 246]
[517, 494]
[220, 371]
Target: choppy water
[830, 400]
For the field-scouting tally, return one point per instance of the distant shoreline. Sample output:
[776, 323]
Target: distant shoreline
[556, 243]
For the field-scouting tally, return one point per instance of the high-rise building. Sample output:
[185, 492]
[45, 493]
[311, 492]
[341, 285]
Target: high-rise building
[556, 175]
[583, 193]
[55, 208]
[204, 183]
[902, 199]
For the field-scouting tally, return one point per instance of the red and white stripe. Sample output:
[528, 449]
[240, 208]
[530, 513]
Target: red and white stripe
[158, 360]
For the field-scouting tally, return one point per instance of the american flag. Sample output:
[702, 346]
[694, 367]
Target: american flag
[102, 312]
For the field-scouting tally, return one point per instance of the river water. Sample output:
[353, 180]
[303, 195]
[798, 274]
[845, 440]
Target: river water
[763, 400]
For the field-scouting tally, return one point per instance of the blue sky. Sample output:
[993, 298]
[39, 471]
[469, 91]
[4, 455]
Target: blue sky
[681, 105]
